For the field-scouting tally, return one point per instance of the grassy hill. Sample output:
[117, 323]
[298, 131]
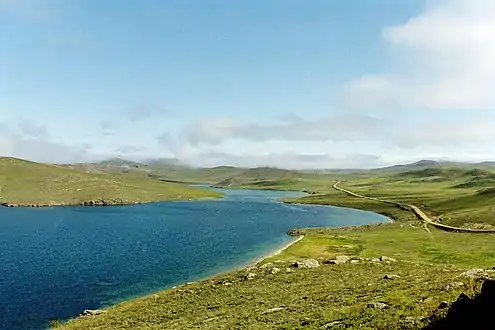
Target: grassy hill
[165, 170]
[23, 182]
[262, 177]
[370, 292]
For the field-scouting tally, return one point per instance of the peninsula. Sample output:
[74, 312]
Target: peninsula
[30, 184]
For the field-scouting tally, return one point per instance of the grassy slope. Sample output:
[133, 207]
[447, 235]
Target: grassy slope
[26, 182]
[167, 172]
[436, 191]
[312, 298]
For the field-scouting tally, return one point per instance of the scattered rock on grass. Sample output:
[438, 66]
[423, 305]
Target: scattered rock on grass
[377, 305]
[474, 273]
[92, 312]
[288, 270]
[385, 258]
[307, 263]
[272, 310]
[453, 285]
[268, 264]
[338, 260]
[375, 260]
[329, 325]
[275, 270]
[250, 276]
[354, 261]
[410, 319]
[390, 277]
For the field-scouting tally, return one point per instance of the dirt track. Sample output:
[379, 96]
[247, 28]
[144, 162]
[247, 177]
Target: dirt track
[417, 211]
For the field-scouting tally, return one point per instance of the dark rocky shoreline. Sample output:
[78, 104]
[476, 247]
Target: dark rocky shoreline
[100, 202]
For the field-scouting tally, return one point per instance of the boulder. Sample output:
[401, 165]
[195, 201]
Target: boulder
[338, 260]
[474, 273]
[385, 258]
[377, 305]
[307, 263]
[92, 312]
[390, 277]
[453, 285]
[250, 276]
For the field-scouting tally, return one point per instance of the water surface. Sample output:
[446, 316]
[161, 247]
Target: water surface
[56, 262]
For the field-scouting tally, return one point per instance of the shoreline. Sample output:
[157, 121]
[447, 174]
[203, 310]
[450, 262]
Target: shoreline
[276, 252]
[101, 203]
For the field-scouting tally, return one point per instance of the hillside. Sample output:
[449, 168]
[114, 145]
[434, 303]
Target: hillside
[28, 183]
[262, 177]
[397, 279]
[163, 169]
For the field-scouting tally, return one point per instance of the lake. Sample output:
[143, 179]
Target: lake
[55, 262]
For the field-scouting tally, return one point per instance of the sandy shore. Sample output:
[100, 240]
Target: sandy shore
[278, 251]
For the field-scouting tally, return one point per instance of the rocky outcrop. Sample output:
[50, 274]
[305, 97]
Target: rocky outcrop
[469, 313]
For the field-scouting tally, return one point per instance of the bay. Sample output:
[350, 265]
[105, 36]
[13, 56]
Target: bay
[55, 262]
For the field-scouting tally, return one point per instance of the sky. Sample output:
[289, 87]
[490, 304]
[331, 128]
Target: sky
[285, 83]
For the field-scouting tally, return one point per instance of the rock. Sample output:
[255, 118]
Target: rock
[354, 261]
[268, 264]
[375, 260]
[307, 263]
[275, 270]
[288, 270]
[272, 310]
[410, 319]
[385, 258]
[329, 325]
[226, 283]
[92, 312]
[250, 276]
[474, 273]
[377, 305]
[338, 260]
[453, 285]
[443, 305]
[390, 277]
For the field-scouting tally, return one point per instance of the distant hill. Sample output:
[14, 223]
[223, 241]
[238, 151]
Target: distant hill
[461, 177]
[425, 164]
[28, 183]
[166, 169]
[262, 177]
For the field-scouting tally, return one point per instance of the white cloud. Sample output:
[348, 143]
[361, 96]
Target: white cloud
[32, 141]
[445, 56]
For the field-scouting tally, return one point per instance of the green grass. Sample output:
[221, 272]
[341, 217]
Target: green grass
[338, 296]
[23, 182]
[312, 298]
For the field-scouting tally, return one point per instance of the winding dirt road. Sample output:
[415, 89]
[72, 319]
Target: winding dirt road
[417, 211]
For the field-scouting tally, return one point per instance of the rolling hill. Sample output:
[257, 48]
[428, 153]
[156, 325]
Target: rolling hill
[26, 183]
[262, 177]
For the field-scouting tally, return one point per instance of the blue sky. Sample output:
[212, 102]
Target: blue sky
[285, 83]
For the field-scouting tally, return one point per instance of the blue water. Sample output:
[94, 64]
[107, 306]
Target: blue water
[56, 262]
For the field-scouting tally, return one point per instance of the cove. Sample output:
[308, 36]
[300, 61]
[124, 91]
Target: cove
[56, 262]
